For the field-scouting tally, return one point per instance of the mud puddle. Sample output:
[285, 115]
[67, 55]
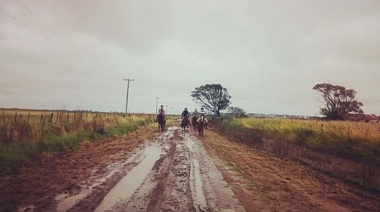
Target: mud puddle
[125, 188]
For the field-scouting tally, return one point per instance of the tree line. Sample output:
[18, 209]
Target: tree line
[337, 100]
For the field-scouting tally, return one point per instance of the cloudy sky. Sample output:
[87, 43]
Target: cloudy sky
[74, 54]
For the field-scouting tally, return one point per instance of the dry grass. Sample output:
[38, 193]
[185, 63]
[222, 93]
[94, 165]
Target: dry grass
[25, 133]
[316, 144]
[282, 185]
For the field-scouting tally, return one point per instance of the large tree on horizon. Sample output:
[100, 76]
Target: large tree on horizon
[337, 101]
[213, 97]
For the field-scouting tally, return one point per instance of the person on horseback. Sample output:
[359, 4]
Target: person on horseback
[195, 113]
[202, 112]
[203, 118]
[161, 111]
[185, 113]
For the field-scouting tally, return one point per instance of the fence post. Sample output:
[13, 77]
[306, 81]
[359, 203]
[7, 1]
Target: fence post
[3, 116]
[51, 118]
[16, 117]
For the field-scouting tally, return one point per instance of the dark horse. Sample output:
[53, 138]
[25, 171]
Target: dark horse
[161, 122]
[185, 123]
[201, 126]
[194, 122]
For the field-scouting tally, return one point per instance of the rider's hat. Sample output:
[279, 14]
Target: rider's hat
[162, 106]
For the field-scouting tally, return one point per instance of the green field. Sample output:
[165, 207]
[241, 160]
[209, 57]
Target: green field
[353, 140]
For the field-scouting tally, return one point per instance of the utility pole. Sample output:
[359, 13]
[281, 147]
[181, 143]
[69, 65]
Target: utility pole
[157, 104]
[126, 102]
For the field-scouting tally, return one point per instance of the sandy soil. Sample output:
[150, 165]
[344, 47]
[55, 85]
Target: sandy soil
[174, 170]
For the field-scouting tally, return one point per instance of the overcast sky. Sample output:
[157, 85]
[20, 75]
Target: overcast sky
[74, 54]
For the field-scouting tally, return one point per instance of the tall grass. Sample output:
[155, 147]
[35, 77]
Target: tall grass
[353, 140]
[24, 134]
[304, 140]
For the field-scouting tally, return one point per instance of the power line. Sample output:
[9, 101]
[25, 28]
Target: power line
[28, 26]
[30, 17]
[63, 36]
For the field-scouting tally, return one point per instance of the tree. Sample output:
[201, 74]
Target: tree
[213, 97]
[338, 101]
[236, 111]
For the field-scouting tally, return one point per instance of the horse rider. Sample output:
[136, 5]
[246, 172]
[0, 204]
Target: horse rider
[202, 112]
[203, 118]
[195, 113]
[162, 111]
[185, 113]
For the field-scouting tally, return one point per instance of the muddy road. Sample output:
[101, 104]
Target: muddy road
[171, 172]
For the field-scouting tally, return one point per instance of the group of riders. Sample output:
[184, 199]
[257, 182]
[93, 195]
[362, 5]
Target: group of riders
[198, 116]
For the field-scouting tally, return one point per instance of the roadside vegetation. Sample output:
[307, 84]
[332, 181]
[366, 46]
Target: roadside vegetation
[25, 133]
[315, 143]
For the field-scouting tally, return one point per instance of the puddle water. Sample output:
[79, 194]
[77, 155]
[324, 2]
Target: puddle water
[70, 201]
[196, 178]
[200, 196]
[66, 202]
[190, 144]
[125, 188]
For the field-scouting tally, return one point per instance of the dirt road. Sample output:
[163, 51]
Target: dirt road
[146, 170]
[171, 172]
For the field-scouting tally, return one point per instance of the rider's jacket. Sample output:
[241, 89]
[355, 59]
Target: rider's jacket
[161, 111]
[185, 113]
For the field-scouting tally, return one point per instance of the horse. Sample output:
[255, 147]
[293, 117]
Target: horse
[185, 123]
[201, 125]
[161, 122]
[194, 122]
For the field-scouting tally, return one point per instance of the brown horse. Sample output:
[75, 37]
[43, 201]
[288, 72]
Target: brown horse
[185, 123]
[161, 120]
[201, 126]
[194, 122]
